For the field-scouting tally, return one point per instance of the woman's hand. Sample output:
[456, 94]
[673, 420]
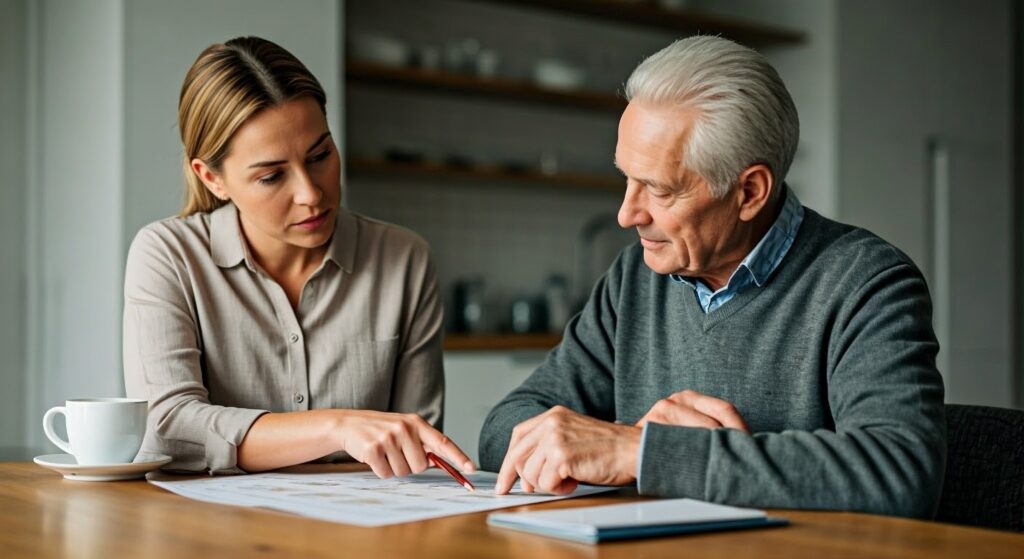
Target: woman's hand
[395, 444]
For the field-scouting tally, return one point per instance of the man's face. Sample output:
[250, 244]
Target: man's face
[683, 228]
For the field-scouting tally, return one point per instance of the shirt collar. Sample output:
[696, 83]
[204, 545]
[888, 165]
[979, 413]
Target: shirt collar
[228, 249]
[770, 250]
[226, 244]
[343, 242]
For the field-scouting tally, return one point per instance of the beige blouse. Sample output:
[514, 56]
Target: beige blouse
[212, 341]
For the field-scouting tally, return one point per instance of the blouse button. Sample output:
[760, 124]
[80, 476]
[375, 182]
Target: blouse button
[293, 337]
[299, 398]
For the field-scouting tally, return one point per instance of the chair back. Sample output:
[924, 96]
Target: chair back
[984, 483]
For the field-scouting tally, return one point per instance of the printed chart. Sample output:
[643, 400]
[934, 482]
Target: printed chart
[359, 498]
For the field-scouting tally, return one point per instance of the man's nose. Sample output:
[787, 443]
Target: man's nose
[632, 211]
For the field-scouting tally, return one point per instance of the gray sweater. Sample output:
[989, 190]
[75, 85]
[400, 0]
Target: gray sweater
[831, 363]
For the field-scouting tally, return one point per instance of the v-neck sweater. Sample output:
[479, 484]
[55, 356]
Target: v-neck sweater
[831, 363]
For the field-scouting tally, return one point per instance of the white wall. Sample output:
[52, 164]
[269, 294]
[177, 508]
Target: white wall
[917, 71]
[475, 383]
[105, 156]
[875, 82]
[13, 87]
[162, 41]
[810, 71]
[74, 205]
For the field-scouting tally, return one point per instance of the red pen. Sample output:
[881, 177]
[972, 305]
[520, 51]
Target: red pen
[437, 461]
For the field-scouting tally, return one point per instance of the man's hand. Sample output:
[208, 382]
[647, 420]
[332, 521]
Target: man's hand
[559, 448]
[693, 409]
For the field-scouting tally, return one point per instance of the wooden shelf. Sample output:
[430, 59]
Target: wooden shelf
[500, 342]
[439, 80]
[360, 165]
[687, 22]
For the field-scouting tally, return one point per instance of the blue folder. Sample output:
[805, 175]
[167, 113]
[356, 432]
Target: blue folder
[643, 519]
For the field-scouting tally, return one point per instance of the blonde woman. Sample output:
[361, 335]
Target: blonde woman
[267, 325]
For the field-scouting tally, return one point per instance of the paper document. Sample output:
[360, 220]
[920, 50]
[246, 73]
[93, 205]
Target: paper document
[634, 520]
[359, 498]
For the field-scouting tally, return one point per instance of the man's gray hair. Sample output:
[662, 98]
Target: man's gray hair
[745, 114]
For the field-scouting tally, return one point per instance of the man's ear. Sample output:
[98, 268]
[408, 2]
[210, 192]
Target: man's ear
[756, 184]
[210, 178]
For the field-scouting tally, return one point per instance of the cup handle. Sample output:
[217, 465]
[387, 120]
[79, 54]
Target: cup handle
[50, 433]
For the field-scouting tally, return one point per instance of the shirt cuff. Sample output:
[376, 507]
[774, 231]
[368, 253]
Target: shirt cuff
[640, 454]
[226, 431]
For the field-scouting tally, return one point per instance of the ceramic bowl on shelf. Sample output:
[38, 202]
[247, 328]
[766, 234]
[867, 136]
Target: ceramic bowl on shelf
[674, 5]
[557, 74]
[378, 49]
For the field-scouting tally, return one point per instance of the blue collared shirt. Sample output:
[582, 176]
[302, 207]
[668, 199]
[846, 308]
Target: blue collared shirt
[758, 266]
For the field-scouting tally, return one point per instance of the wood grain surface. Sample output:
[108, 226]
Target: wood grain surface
[43, 515]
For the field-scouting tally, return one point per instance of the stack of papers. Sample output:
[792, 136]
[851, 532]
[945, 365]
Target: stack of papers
[358, 498]
[634, 520]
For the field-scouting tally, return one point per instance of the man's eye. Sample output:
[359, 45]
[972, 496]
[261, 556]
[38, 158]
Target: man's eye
[658, 193]
[270, 179]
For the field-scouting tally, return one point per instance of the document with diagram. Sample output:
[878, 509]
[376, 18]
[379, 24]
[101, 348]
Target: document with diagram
[359, 498]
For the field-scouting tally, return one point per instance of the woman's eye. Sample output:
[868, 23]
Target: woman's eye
[270, 179]
[320, 156]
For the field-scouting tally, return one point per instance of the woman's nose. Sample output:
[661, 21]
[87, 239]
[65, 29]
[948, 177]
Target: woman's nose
[307, 193]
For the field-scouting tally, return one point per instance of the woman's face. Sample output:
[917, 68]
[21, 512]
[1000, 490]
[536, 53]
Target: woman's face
[283, 173]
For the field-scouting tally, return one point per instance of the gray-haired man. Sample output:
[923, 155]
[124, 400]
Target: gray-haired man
[746, 350]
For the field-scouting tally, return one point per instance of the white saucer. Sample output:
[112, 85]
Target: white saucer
[66, 464]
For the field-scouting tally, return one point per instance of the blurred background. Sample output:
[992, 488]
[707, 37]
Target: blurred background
[489, 127]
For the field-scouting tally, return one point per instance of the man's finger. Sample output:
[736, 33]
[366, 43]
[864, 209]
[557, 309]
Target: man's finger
[722, 411]
[531, 470]
[672, 411]
[525, 428]
[516, 456]
[507, 474]
[552, 477]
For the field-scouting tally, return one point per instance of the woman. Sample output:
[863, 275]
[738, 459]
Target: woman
[267, 325]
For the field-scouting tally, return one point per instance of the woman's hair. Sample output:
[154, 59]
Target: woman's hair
[745, 114]
[225, 86]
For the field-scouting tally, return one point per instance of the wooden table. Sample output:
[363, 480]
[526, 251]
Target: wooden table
[43, 515]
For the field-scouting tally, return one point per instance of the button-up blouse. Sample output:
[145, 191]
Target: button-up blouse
[212, 342]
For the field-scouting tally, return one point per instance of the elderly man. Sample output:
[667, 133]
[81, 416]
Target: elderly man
[746, 350]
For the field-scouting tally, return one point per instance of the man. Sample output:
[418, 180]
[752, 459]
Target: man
[747, 350]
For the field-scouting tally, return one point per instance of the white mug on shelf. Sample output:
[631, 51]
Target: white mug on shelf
[100, 430]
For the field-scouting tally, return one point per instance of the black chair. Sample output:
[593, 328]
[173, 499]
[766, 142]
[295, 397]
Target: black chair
[985, 468]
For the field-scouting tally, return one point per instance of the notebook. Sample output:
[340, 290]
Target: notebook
[634, 520]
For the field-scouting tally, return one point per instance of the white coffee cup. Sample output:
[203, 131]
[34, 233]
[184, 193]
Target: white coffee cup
[100, 430]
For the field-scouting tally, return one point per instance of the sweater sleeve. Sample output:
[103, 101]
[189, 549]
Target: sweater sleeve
[887, 452]
[578, 374]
